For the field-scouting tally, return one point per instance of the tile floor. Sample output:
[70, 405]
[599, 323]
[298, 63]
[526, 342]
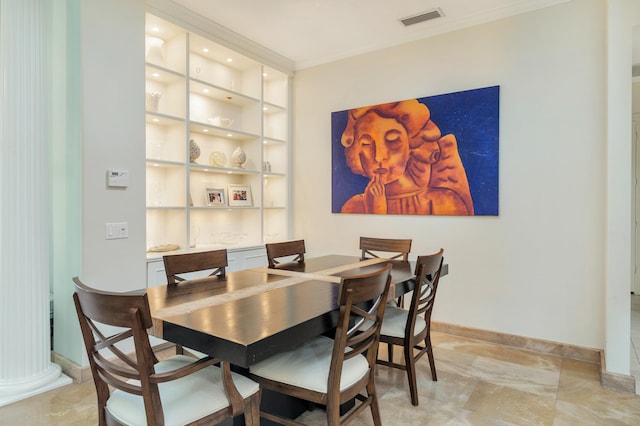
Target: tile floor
[478, 384]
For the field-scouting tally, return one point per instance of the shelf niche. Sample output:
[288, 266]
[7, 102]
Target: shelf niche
[199, 90]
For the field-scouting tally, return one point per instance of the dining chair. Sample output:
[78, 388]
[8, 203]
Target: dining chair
[408, 328]
[293, 250]
[177, 264]
[329, 371]
[175, 391]
[391, 247]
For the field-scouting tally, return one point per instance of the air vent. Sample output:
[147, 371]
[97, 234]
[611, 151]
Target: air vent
[635, 71]
[425, 16]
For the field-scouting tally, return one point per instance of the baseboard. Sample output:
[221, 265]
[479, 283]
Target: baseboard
[81, 374]
[528, 343]
[615, 381]
[78, 373]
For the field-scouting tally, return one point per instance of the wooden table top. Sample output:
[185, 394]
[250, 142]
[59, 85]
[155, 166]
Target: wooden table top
[252, 314]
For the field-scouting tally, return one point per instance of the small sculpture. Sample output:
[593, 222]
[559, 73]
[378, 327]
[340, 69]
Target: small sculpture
[218, 159]
[152, 100]
[195, 151]
[239, 157]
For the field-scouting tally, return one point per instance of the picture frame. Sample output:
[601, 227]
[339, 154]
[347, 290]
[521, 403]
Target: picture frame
[215, 197]
[240, 195]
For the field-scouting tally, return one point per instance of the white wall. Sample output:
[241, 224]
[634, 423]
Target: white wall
[619, 191]
[113, 137]
[99, 111]
[528, 270]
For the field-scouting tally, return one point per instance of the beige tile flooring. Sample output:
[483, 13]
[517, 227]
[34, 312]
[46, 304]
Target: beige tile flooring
[478, 383]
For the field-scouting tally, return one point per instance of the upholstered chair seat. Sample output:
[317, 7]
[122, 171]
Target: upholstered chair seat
[307, 366]
[184, 400]
[395, 322]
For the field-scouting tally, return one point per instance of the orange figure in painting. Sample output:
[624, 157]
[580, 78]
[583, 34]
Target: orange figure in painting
[412, 168]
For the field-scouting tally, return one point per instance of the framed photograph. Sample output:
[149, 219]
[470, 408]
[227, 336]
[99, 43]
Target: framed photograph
[215, 197]
[240, 195]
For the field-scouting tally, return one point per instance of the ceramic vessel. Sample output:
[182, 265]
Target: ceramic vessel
[195, 151]
[152, 101]
[239, 157]
[220, 121]
[218, 159]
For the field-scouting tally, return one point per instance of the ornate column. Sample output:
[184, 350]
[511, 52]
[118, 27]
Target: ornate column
[25, 230]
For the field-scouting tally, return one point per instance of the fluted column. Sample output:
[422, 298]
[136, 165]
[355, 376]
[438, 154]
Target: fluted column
[25, 231]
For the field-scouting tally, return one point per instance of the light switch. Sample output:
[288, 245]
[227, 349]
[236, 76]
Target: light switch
[116, 230]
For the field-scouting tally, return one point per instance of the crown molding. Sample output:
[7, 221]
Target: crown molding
[191, 21]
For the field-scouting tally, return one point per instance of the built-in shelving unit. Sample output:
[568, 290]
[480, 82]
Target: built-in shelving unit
[202, 96]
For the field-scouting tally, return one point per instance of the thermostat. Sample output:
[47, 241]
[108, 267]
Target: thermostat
[118, 178]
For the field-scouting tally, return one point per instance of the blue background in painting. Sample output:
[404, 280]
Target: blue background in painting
[472, 116]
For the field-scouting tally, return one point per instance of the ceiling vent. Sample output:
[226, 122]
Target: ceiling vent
[635, 71]
[425, 16]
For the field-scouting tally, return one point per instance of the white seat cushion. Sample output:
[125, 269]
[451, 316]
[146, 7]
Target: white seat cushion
[307, 366]
[183, 400]
[395, 321]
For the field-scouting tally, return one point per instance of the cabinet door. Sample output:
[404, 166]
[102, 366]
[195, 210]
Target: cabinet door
[239, 259]
[156, 273]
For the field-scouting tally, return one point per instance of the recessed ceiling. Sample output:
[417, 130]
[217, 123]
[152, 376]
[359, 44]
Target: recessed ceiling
[311, 32]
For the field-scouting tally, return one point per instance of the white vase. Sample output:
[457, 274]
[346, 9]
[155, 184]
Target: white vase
[154, 50]
[152, 101]
[194, 151]
[239, 157]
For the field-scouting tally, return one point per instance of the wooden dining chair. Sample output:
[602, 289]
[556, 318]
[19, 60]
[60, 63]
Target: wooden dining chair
[175, 391]
[177, 264]
[388, 248]
[293, 250]
[411, 328]
[333, 371]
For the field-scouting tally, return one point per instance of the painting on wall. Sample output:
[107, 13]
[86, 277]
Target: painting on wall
[436, 155]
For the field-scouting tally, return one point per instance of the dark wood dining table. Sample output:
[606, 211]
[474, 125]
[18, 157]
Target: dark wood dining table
[250, 315]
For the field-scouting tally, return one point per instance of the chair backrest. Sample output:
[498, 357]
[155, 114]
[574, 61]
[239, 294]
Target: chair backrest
[362, 301]
[110, 366]
[428, 269]
[285, 249]
[393, 248]
[176, 264]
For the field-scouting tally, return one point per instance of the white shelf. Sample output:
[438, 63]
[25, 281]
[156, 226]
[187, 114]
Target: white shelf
[222, 106]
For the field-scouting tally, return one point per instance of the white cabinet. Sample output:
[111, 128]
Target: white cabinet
[206, 107]
[239, 259]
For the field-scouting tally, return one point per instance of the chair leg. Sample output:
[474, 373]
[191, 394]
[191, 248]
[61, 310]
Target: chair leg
[252, 412]
[375, 408]
[410, 365]
[333, 414]
[432, 362]
[390, 352]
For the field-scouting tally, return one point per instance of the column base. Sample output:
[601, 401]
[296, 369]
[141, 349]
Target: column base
[17, 390]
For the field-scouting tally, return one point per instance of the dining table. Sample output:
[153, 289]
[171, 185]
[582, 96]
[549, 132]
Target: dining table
[247, 316]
